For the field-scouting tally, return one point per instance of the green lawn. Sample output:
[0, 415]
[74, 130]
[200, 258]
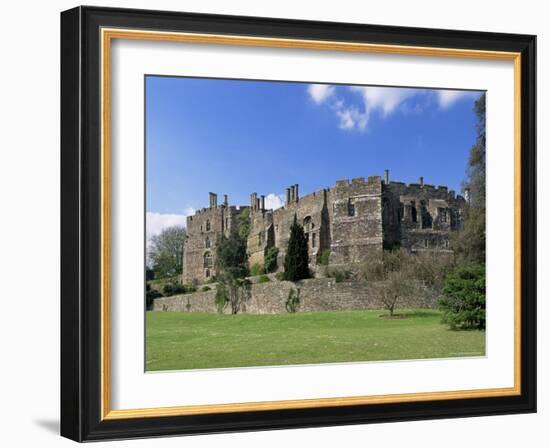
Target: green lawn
[198, 341]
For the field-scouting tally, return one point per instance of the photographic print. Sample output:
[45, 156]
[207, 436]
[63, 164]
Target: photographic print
[291, 223]
[311, 206]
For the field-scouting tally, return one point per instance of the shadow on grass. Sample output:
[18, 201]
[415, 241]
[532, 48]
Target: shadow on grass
[420, 313]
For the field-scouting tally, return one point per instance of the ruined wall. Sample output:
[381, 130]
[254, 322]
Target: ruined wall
[353, 219]
[318, 294]
[357, 219]
[203, 230]
[311, 212]
[420, 217]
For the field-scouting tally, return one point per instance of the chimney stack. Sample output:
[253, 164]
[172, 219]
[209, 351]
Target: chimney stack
[253, 201]
[213, 200]
[287, 196]
[421, 181]
[296, 195]
[258, 204]
[386, 177]
[263, 202]
[225, 202]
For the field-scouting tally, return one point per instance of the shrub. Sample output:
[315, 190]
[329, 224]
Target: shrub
[256, 269]
[206, 288]
[293, 301]
[338, 275]
[323, 257]
[270, 259]
[463, 304]
[280, 276]
[150, 295]
[264, 279]
[171, 289]
[188, 289]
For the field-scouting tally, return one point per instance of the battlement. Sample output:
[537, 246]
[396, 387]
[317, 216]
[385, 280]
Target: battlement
[350, 220]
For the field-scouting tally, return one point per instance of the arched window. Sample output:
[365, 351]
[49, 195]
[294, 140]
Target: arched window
[207, 273]
[308, 225]
[207, 260]
[207, 225]
[207, 243]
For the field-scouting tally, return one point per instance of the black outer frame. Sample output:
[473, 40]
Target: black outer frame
[80, 223]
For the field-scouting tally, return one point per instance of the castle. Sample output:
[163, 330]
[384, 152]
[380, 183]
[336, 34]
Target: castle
[350, 221]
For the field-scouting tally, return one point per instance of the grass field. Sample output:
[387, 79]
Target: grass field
[198, 341]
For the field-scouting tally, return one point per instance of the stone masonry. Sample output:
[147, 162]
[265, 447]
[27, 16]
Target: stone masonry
[352, 220]
[316, 294]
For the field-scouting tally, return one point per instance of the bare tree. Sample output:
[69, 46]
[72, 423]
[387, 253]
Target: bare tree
[397, 286]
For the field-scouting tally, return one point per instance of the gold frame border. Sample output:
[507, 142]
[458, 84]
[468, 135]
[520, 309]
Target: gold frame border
[107, 35]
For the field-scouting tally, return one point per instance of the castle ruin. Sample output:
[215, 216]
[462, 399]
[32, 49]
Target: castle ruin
[351, 220]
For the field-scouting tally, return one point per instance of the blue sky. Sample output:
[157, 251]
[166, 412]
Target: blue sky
[236, 137]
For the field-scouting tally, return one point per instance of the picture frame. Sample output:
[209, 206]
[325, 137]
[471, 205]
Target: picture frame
[86, 37]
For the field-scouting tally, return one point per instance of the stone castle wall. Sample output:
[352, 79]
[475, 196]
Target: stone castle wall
[352, 219]
[317, 294]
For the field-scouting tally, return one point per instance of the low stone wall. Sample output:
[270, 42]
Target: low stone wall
[316, 294]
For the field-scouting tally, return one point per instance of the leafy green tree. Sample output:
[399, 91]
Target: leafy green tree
[296, 258]
[231, 268]
[165, 252]
[270, 259]
[463, 304]
[469, 243]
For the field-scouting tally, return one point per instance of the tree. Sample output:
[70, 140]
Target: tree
[296, 258]
[270, 259]
[469, 243]
[395, 287]
[463, 304]
[165, 252]
[231, 268]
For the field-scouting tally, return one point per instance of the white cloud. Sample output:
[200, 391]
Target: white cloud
[155, 223]
[446, 98]
[354, 114]
[352, 118]
[385, 99]
[320, 92]
[356, 117]
[274, 201]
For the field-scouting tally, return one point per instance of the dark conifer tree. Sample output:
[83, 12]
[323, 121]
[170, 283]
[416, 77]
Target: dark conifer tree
[296, 258]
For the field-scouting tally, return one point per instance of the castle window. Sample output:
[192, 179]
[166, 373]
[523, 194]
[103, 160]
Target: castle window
[313, 240]
[426, 243]
[413, 211]
[207, 260]
[446, 244]
[207, 225]
[207, 273]
[307, 224]
[351, 208]
[207, 243]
